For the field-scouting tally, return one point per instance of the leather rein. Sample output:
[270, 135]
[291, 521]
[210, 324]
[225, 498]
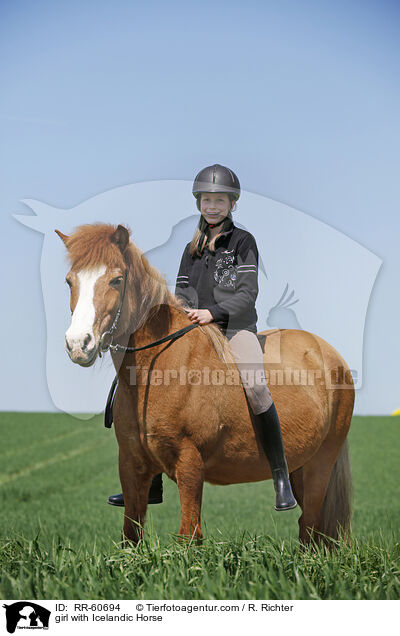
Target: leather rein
[106, 340]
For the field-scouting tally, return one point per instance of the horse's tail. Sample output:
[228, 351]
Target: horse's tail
[336, 509]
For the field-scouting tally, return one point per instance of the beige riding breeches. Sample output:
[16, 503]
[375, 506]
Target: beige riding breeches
[249, 358]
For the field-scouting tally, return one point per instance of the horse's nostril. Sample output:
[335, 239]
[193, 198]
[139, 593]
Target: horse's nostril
[68, 346]
[87, 341]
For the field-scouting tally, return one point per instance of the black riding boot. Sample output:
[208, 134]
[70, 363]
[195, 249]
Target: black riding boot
[269, 429]
[155, 493]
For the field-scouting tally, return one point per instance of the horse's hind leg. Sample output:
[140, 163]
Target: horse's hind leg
[327, 479]
[190, 480]
[296, 480]
[135, 487]
[317, 473]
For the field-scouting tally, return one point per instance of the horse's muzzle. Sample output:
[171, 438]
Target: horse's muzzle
[83, 358]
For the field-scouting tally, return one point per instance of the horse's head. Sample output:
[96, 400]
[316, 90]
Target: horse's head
[97, 254]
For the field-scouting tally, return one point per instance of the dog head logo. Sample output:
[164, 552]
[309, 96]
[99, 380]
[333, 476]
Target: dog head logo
[26, 615]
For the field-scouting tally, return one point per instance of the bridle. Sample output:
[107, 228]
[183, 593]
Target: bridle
[106, 340]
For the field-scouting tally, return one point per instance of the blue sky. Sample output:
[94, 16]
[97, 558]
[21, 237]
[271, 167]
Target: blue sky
[300, 99]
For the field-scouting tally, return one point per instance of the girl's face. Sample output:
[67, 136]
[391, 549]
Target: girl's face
[215, 206]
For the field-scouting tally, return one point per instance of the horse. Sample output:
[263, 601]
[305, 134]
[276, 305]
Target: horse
[180, 407]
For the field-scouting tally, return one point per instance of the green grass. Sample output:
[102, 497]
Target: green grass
[59, 539]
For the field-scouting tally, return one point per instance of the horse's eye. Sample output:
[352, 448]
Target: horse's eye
[116, 281]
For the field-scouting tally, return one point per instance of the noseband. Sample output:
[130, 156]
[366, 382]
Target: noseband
[106, 340]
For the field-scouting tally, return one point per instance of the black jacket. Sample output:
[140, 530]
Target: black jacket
[226, 282]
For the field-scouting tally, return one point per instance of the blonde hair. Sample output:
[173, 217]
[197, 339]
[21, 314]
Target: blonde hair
[201, 236]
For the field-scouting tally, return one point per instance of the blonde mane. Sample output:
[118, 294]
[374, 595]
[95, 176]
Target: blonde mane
[156, 293]
[147, 289]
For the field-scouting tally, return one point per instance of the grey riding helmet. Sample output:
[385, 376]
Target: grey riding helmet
[216, 178]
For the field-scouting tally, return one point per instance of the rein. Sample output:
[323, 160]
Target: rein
[106, 340]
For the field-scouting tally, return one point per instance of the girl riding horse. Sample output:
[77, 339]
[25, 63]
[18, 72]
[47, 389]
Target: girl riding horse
[217, 281]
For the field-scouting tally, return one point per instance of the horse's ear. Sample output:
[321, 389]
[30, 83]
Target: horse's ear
[121, 238]
[62, 236]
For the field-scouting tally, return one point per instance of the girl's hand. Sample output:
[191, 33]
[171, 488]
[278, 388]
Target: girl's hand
[202, 316]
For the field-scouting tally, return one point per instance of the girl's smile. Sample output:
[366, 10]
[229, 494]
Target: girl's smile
[215, 206]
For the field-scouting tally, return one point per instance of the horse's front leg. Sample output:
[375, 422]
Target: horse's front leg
[135, 482]
[190, 480]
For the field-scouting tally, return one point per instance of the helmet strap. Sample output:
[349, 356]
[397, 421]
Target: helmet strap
[216, 224]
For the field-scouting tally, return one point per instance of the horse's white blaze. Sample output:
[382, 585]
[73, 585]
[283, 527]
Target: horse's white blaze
[84, 313]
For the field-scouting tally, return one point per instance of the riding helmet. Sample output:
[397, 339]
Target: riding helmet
[216, 178]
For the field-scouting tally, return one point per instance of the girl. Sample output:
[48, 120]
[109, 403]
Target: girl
[217, 280]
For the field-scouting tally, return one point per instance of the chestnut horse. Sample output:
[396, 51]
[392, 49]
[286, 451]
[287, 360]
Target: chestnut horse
[180, 408]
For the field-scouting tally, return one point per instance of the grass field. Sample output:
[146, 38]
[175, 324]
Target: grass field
[59, 539]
